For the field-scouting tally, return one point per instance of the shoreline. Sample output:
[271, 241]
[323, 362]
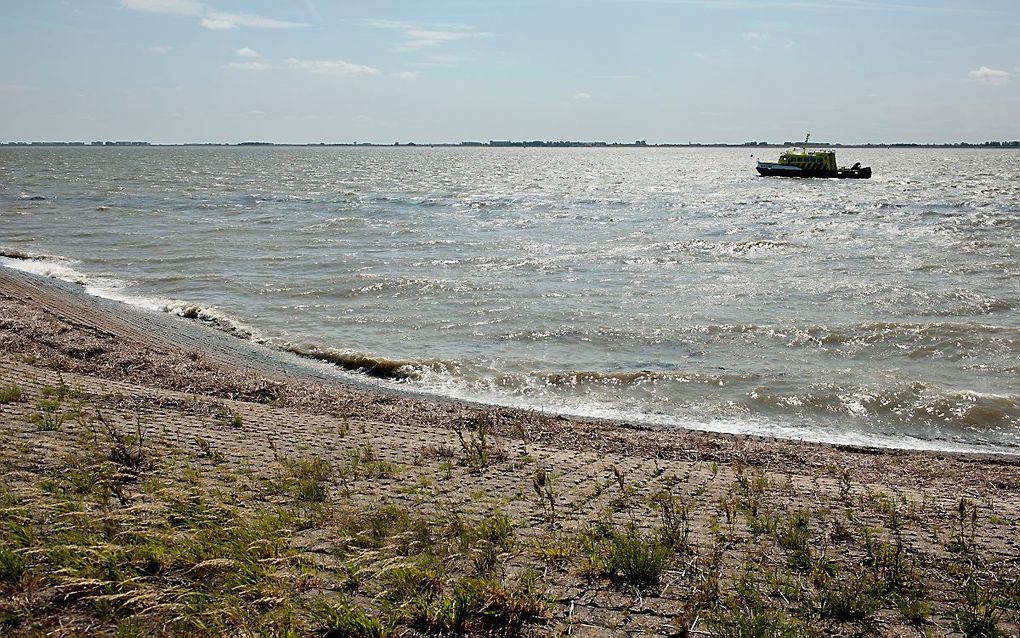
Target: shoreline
[327, 367]
[523, 514]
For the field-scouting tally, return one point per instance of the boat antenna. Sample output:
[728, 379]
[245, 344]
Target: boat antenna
[806, 138]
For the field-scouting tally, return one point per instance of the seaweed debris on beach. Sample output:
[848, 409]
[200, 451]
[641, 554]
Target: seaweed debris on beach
[154, 482]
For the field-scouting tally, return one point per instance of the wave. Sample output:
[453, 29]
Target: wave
[44, 266]
[574, 379]
[374, 366]
[14, 254]
[63, 269]
[911, 405]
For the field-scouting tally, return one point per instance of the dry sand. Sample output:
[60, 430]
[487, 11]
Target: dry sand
[779, 533]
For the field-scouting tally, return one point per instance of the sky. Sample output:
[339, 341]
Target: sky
[430, 71]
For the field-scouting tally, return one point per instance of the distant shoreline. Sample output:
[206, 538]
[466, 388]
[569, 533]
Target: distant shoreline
[1014, 144]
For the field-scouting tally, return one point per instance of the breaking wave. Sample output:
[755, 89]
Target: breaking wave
[63, 269]
[374, 366]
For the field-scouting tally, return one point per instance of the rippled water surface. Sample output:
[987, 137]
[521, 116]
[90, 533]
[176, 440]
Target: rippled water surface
[667, 286]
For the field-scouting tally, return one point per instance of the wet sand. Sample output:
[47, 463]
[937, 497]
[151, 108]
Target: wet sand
[232, 408]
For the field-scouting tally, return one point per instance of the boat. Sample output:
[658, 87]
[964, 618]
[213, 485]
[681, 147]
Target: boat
[817, 163]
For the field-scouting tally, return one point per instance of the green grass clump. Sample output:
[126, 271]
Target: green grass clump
[423, 577]
[847, 600]
[12, 566]
[389, 526]
[627, 554]
[307, 479]
[11, 394]
[48, 416]
[795, 536]
[740, 622]
[979, 616]
[750, 611]
[485, 605]
[343, 619]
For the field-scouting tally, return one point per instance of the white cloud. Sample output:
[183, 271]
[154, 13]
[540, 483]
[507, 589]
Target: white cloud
[245, 52]
[330, 67]
[442, 61]
[421, 36]
[251, 66]
[755, 36]
[217, 25]
[161, 50]
[407, 75]
[321, 67]
[985, 75]
[582, 96]
[210, 18]
[233, 20]
[173, 7]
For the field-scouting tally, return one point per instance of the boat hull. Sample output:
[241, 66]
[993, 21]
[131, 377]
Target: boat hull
[766, 169]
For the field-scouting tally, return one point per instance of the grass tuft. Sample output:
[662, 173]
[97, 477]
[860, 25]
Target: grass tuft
[11, 394]
[627, 554]
[343, 619]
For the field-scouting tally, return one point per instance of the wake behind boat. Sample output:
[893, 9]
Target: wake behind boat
[805, 163]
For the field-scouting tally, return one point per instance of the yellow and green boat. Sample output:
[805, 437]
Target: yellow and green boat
[813, 163]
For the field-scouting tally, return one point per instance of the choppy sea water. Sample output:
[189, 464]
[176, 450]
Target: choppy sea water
[660, 286]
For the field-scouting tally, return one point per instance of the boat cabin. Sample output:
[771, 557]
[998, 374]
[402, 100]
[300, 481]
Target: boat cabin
[810, 160]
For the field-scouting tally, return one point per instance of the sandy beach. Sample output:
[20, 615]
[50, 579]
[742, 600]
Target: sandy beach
[160, 477]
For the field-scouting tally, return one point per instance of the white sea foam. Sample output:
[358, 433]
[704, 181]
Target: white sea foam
[64, 269]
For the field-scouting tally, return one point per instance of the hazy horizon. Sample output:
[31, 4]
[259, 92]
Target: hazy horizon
[665, 71]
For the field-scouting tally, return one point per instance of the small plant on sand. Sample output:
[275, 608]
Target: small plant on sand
[12, 566]
[11, 394]
[126, 450]
[674, 513]
[542, 481]
[709, 581]
[308, 479]
[854, 599]
[478, 605]
[488, 540]
[341, 618]
[233, 420]
[625, 500]
[845, 485]
[362, 463]
[48, 416]
[747, 612]
[206, 450]
[628, 555]
[915, 611]
[890, 566]
[556, 551]
[979, 616]
[966, 516]
[474, 443]
[795, 536]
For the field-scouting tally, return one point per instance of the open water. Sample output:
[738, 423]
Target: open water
[660, 286]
